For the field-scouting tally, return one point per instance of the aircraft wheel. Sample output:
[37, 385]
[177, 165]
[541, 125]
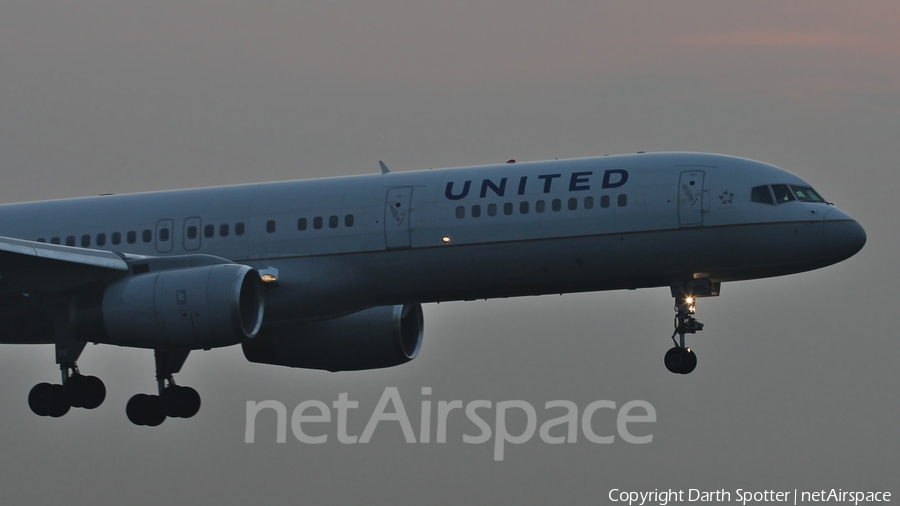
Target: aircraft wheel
[143, 409]
[676, 360]
[48, 400]
[75, 391]
[40, 398]
[84, 391]
[59, 404]
[690, 362]
[95, 392]
[180, 402]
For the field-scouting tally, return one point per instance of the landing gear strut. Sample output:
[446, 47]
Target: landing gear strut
[680, 359]
[173, 401]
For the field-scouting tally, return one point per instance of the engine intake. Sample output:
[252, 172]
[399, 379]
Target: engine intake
[192, 308]
[372, 339]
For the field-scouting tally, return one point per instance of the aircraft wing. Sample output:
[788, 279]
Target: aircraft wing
[52, 268]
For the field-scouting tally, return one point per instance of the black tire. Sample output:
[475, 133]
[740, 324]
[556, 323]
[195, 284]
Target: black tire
[171, 401]
[95, 392]
[180, 402]
[190, 402]
[676, 359]
[143, 409]
[155, 414]
[75, 391]
[40, 399]
[136, 409]
[59, 404]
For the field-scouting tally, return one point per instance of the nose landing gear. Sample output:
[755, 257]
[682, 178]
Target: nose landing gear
[680, 359]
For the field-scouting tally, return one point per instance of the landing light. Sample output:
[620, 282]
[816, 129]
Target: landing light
[446, 239]
[268, 275]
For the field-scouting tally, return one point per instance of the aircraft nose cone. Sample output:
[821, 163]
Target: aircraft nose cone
[844, 237]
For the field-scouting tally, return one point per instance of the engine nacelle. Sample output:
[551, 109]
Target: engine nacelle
[192, 308]
[372, 339]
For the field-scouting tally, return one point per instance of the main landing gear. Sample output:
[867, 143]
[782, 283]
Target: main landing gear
[76, 391]
[88, 392]
[173, 401]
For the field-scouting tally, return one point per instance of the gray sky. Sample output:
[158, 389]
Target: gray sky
[797, 379]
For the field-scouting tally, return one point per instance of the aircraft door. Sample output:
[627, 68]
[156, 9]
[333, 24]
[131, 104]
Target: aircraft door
[690, 198]
[192, 234]
[397, 216]
[164, 234]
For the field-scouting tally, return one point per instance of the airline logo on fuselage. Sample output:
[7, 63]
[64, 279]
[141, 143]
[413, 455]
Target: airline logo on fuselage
[577, 181]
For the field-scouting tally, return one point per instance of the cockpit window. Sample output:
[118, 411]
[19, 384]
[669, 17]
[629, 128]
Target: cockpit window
[806, 194]
[762, 195]
[782, 193]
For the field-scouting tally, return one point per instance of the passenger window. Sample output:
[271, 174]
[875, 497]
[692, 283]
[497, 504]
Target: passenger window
[164, 234]
[270, 226]
[523, 207]
[116, 237]
[191, 232]
[460, 212]
[132, 237]
[70, 240]
[508, 208]
[101, 239]
[604, 201]
[301, 224]
[317, 222]
[476, 211]
[54, 240]
[86, 241]
[147, 236]
[556, 205]
[223, 230]
[492, 210]
[762, 195]
[209, 231]
[348, 220]
[573, 204]
[782, 193]
[622, 200]
[333, 222]
[589, 202]
[42, 240]
[239, 228]
[539, 206]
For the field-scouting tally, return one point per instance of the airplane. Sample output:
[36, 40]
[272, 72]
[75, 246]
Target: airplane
[331, 273]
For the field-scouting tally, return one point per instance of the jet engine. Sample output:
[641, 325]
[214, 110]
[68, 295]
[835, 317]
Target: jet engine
[189, 308]
[372, 339]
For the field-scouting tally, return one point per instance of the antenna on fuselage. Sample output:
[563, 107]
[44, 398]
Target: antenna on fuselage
[384, 169]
